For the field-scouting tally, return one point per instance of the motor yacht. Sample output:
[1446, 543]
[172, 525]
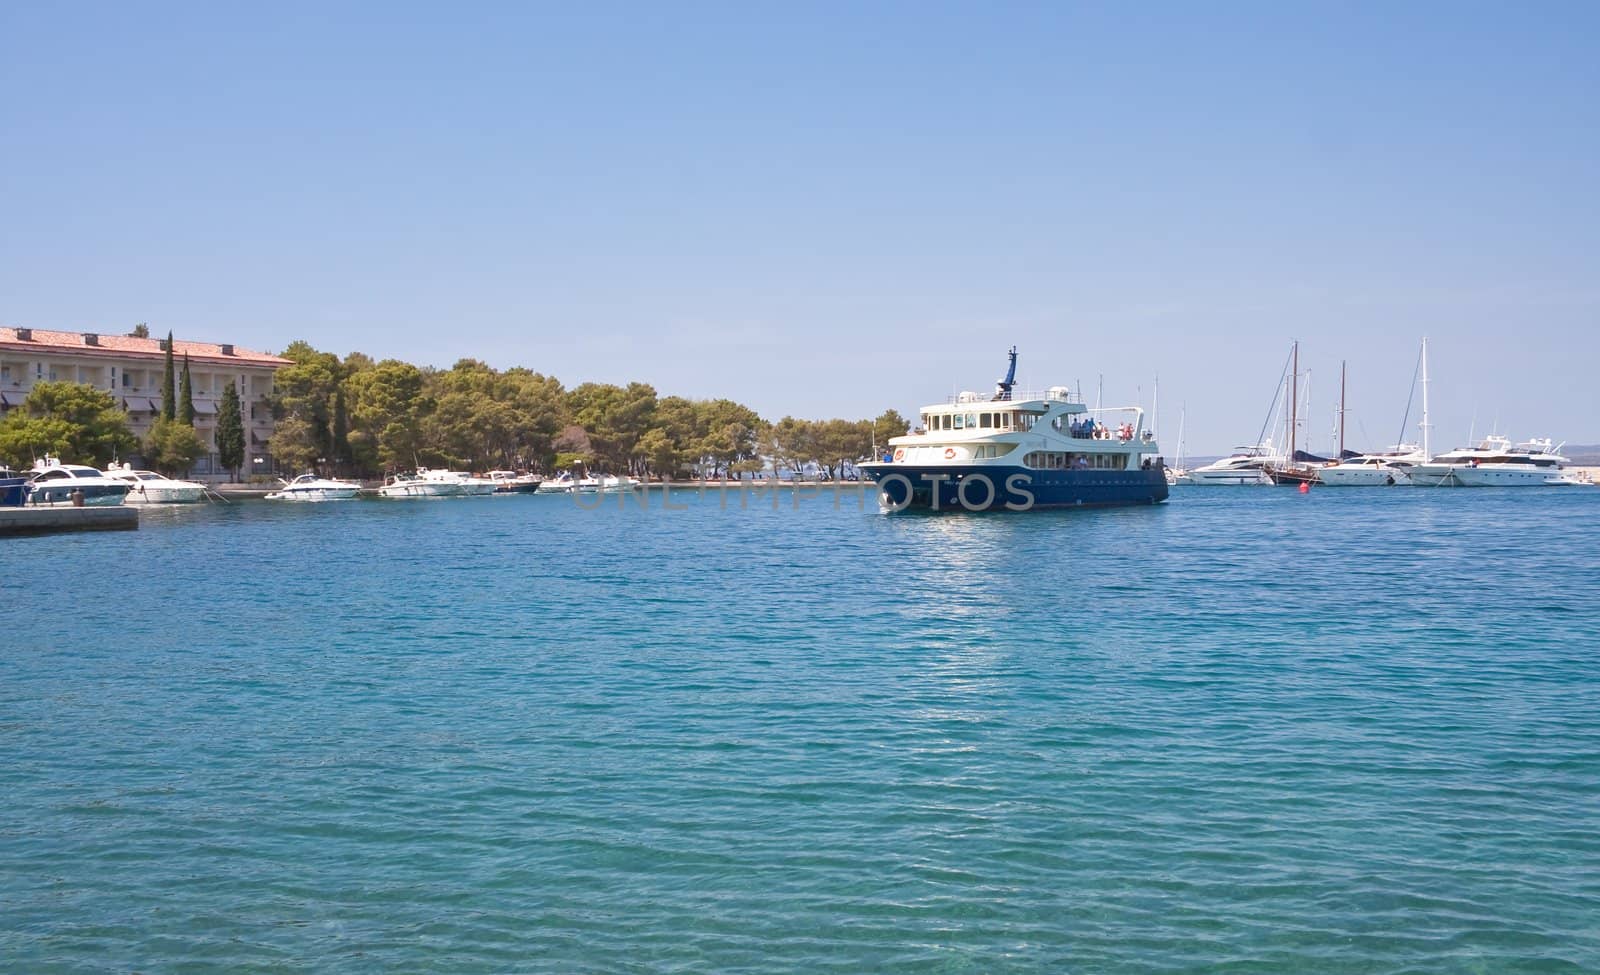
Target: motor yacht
[1374, 470]
[152, 488]
[1495, 462]
[564, 483]
[1245, 466]
[510, 482]
[310, 487]
[54, 483]
[413, 486]
[472, 486]
[1019, 451]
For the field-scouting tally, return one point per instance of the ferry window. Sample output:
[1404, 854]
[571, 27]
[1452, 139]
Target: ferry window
[985, 420]
[972, 421]
[958, 421]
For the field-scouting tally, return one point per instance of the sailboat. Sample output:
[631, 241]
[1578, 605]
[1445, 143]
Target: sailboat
[1177, 473]
[1294, 468]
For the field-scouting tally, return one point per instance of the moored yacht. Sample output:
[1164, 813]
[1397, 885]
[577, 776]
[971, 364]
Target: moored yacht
[510, 482]
[54, 483]
[148, 487]
[1018, 451]
[564, 483]
[469, 485]
[1374, 470]
[310, 487]
[1495, 462]
[412, 486]
[1245, 466]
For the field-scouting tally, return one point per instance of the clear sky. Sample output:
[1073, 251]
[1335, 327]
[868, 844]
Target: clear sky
[827, 209]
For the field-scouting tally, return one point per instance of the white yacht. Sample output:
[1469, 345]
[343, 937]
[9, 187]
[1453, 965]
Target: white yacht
[152, 488]
[54, 484]
[1245, 466]
[310, 487]
[1374, 470]
[1495, 462]
[413, 486]
[563, 484]
[469, 485]
[510, 482]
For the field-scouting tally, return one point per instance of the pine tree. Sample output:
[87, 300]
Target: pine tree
[186, 396]
[169, 396]
[230, 431]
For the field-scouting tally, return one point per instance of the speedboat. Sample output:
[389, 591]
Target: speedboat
[466, 482]
[413, 486]
[1374, 470]
[510, 482]
[1019, 451]
[54, 483]
[152, 488]
[310, 487]
[1246, 465]
[1495, 462]
[563, 484]
[610, 484]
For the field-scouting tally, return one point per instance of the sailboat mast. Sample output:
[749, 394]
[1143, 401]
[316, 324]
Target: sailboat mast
[1294, 397]
[1427, 449]
[1340, 455]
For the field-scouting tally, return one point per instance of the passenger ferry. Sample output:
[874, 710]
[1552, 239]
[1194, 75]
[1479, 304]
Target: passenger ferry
[1022, 451]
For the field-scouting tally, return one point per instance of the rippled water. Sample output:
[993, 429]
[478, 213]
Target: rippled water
[1247, 731]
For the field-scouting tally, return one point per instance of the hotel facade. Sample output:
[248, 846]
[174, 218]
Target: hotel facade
[131, 368]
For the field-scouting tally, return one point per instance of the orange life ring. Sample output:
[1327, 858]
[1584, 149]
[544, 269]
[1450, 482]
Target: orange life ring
[900, 453]
[949, 453]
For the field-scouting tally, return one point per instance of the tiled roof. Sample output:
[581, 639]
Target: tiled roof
[45, 340]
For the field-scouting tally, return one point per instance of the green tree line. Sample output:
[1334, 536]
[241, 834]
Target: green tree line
[356, 416]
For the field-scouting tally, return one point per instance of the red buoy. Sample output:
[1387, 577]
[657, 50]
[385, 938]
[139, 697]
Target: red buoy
[1305, 487]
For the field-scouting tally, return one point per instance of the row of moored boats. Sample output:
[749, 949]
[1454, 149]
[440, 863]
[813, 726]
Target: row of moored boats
[54, 484]
[1495, 461]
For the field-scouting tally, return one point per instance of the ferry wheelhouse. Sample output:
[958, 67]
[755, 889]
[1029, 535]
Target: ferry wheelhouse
[1017, 452]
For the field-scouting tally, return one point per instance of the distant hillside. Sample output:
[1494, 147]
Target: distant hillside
[1583, 454]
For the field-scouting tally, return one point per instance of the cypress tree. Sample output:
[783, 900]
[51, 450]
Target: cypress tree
[169, 396]
[186, 396]
[230, 431]
[341, 428]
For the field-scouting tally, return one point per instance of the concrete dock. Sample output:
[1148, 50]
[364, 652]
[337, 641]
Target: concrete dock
[50, 521]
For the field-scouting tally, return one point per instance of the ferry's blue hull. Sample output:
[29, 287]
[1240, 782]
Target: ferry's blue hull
[967, 488]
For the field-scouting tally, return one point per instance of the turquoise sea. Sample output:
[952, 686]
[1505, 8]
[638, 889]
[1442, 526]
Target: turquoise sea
[1246, 731]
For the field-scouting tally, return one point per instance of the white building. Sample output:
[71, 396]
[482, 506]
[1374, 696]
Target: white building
[131, 369]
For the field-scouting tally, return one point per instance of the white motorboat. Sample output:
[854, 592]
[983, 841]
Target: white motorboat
[413, 486]
[56, 484]
[611, 484]
[510, 482]
[563, 484]
[1245, 466]
[1374, 470]
[152, 488]
[1495, 462]
[310, 487]
[469, 485]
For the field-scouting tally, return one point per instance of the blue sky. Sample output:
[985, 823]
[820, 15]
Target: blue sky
[827, 209]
